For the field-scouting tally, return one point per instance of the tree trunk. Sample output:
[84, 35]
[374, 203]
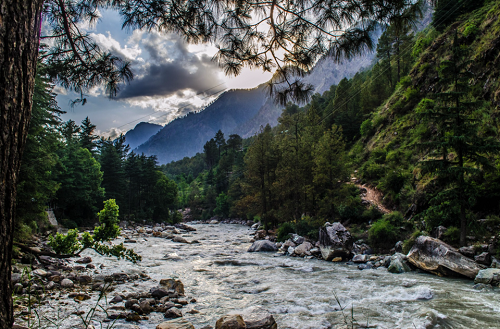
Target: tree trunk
[20, 23]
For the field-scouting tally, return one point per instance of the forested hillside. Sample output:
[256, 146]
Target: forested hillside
[420, 126]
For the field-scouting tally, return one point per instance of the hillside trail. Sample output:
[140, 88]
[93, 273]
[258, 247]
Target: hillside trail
[374, 197]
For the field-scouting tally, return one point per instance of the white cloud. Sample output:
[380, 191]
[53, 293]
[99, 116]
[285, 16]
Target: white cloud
[110, 44]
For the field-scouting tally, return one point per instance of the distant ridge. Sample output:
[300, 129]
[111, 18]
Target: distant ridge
[141, 133]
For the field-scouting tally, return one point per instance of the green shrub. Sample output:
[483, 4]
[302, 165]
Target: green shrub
[176, 217]
[395, 218]
[284, 230]
[393, 181]
[470, 30]
[452, 235]
[378, 156]
[371, 214]
[366, 128]
[383, 234]
[372, 171]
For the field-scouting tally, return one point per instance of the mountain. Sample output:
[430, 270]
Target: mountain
[186, 136]
[141, 133]
[325, 73]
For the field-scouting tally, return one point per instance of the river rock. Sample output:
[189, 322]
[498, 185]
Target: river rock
[84, 260]
[67, 283]
[435, 256]
[262, 245]
[467, 251]
[438, 232]
[185, 227]
[335, 241]
[116, 299]
[146, 307]
[288, 243]
[40, 272]
[157, 292]
[234, 321]
[297, 239]
[179, 323]
[483, 258]
[214, 221]
[175, 285]
[180, 239]
[398, 264]
[360, 258]
[488, 276]
[303, 249]
[257, 318]
[173, 312]
[15, 278]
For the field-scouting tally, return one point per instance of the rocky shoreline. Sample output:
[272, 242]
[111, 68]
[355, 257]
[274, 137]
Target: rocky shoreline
[61, 280]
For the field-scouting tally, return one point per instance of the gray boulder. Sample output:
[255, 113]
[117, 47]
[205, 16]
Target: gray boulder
[262, 245]
[467, 251]
[398, 264]
[360, 258]
[488, 276]
[483, 258]
[234, 321]
[335, 241]
[303, 249]
[257, 318]
[435, 256]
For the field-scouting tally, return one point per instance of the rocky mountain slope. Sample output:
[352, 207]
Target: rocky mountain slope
[141, 133]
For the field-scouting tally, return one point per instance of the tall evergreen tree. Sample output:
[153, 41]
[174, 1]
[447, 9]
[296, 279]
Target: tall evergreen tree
[87, 137]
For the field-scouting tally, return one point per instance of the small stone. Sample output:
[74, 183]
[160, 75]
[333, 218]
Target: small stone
[136, 308]
[158, 293]
[133, 317]
[145, 307]
[130, 302]
[40, 272]
[173, 312]
[84, 260]
[233, 321]
[81, 297]
[116, 299]
[67, 283]
[337, 259]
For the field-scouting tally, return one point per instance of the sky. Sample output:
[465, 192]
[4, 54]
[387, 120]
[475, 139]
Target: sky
[172, 78]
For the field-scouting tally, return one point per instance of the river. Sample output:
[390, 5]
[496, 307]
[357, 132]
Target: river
[224, 277]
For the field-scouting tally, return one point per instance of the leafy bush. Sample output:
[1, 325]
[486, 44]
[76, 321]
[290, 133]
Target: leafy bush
[108, 217]
[393, 181]
[470, 30]
[366, 128]
[371, 214]
[176, 217]
[383, 233]
[372, 170]
[284, 230]
[408, 243]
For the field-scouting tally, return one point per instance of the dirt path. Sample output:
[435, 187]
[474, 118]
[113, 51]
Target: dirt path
[374, 197]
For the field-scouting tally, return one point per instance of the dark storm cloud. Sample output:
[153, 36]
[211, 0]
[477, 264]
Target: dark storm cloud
[171, 69]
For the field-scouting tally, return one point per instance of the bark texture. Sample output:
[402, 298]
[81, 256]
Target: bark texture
[19, 38]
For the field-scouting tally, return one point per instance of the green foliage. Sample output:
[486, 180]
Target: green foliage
[176, 217]
[366, 128]
[408, 243]
[371, 214]
[452, 235]
[470, 30]
[108, 217]
[284, 230]
[222, 208]
[383, 233]
[65, 244]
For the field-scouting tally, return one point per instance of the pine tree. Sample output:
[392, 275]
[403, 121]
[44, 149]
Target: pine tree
[457, 152]
[87, 137]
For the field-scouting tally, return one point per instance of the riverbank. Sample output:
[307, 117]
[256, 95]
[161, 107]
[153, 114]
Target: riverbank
[223, 277]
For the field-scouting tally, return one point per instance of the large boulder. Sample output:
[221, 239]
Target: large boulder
[257, 318]
[488, 276]
[435, 256]
[263, 245]
[234, 321]
[335, 241]
[172, 284]
[179, 323]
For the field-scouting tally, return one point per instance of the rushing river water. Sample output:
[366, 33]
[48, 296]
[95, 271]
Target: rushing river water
[224, 277]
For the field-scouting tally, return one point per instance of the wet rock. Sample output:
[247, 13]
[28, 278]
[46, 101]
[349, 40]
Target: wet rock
[483, 258]
[360, 248]
[438, 232]
[18, 288]
[114, 316]
[119, 277]
[488, 276]
[84, 260]
[398, 264]
[81, 297]
[136, 308]
[262, 245]
[435, 256]
[366, 266]
[335, 241]
[175, 285]
[133, 317]
[303, 249]
[398, 246]
[297, 239]
[15, 278]
[90, 266]
[116, 299]
[467, 251]
[185, 227]
[40, 272]
[146, 307]
[258, 318]
[67, 283]
[180, 239]
[234, 321]
[176, 324]
[360, 258]
[337, 259]
[494, 263]
[214, 221]
[290, 250]
[288, 243]
[260, 234]
[84, 279]
[173, 312]
[130, 302]
[157, 292]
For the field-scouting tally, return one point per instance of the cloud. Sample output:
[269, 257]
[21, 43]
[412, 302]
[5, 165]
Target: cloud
[108, 43]
[170, 69]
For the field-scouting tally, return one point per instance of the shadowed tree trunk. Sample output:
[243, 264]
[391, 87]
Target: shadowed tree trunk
[19, 37]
